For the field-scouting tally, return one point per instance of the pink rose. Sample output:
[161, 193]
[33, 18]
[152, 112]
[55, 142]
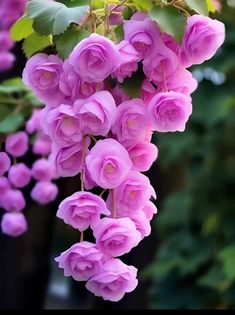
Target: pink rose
[13, 224]
[19, 175]
[17, 143]
[42, 75]
[6, 60]
[142, 224]
[119, 95]
[82, 209]
[203, 37]
[81, 261]
[4, 186]
[142, 156]
[34, 123]
[62, 125]
[73, 86]
[131, 123]
[169, 111]
[108, 163]
[170, 42]
[44, 192]
[132, 194]
[142, 33]
[6, 43]
[43, 169]
[149, 210]
[116, 237]
[113, 281]
[129, 61]
[115, 14]
[96, 114]
[95, 58]
[5, 163]
[87, 180]
[13, 200]
[42, 144]
[180, 81]
[147, 91]
[67, 160]
[161, 64]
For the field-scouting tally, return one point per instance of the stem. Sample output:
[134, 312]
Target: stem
[82, 162]
[101, 194]
[182, 9]
[82, 237]
[164, 77]
[90, 5]
[114, 204]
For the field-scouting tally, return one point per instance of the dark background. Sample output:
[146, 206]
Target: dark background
[188, 262]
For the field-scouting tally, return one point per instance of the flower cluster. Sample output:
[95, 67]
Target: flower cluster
[10, 11]
[105, 136]
[19, 175]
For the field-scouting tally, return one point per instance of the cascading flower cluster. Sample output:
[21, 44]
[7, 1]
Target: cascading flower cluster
[104, 135]
[19, 175]
[10, 11]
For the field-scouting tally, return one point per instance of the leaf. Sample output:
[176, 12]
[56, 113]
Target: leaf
[54, 17]
[4, 111]
[22, 28]
[213, 279]
[170, 20]
[66, 42]
[132, 86]
[199, 6]
[211, 6]
[35, 43]
[145, 5]
[119, 32]
[227, 257]
[13, 86]
[32, 100]
[11, 123]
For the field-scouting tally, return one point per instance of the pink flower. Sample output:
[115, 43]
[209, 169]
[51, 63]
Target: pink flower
[43, 169]
[113, 281]
[5, 163]
[82, 209]
[203, 37]
[108, 163]
[149, 210]
[6, 43]
[170, 111]
[34, 123]
[95, 58]
[62, 125]
[44, 192]
[147, 91]
[142, 33]
[42, 75]
[129, 61]
[67, 160]
[81, 261]
[132, 194]
[13, 224]
[73, 86]
[19, 175]
[87, 180]
[142, 156]
[13, 200]
[116, 237]
[161, 64]
[131, 123]
[42, 144]
[17, 144]
[4, 186]
[119, 95]
[96, 114]
[6, 60]
[180, 81]
[170, 42]
[115, 16]
[142, 224]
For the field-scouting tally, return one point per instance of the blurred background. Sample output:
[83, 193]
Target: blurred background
[188, 262]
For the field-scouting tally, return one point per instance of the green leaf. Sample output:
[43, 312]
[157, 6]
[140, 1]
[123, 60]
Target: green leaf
[32, 100]
[4, 111]
[170, 20]
[145, 5]
[35, 43]
[199, 6]
[213, 279]
[14, 85]
[22, 28]
[132, 86]
[119, 32]
[66, 42]
[227, 257]
[54, 17]
[11, 123]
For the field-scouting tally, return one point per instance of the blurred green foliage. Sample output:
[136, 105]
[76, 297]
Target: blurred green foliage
[195, 262]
